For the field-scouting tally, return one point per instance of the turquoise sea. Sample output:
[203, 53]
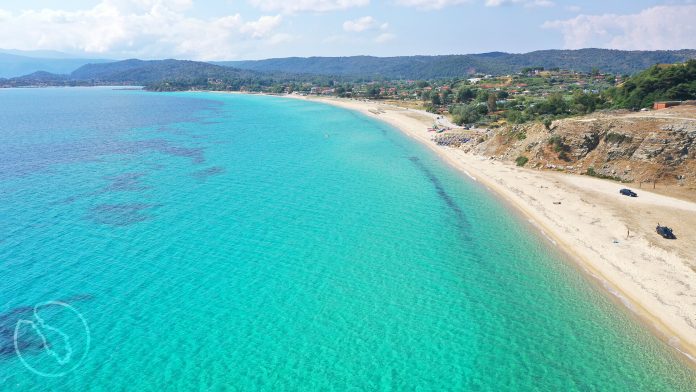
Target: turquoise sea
[213, 242]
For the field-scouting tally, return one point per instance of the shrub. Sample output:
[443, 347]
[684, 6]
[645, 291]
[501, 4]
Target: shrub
[547, 123]
[558, 145]
[521, 160]
[516, 116]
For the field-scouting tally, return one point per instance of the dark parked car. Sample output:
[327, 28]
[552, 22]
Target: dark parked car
[628, 192]
[665, 232]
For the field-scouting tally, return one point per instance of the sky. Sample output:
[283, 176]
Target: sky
[257, 29]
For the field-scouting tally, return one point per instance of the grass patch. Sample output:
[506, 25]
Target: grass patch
[521, 160]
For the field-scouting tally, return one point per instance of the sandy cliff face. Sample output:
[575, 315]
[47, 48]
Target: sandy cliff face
[633, 147]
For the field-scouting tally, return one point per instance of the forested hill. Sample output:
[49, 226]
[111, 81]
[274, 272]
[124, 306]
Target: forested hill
[145, 72]
[160, 75]
[657, 83]
[495, 63]
[184, 74]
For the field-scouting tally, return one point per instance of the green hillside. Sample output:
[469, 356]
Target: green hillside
[657, 83]
[495, 63]
[146, 72]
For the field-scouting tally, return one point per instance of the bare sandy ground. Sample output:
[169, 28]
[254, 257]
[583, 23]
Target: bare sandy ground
[611, 236]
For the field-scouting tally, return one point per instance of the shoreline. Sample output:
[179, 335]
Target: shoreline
[671, 317]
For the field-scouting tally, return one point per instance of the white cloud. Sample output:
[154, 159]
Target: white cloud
[431, 4]
[136, 28]
[660, 27]
[440, 4]
[384, 37]
[365, 24]
[360, 24]
[291, 6]
[526, 3]
[262, 27]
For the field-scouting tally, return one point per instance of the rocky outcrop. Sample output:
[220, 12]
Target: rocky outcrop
[631, 147]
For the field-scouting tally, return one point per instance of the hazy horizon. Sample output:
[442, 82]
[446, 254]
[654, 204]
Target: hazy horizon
[262, 29]
[39, 54]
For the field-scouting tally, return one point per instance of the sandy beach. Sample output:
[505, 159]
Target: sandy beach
[610, 236]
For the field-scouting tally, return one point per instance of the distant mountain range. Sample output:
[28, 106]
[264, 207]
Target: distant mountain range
[496, 63]
[46, 54]
[15, 63]
[184, 73]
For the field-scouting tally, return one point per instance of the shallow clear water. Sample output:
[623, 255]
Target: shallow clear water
[227, 242]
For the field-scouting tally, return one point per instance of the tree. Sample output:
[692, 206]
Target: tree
[582, 103]
[554, 105]
[482, 95]
[465, 94]
[446, 97]
[435, 99]
[492, 102]
[468, 114]
[373, 91]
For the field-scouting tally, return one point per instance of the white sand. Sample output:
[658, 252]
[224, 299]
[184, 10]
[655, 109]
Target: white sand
[655, 278]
